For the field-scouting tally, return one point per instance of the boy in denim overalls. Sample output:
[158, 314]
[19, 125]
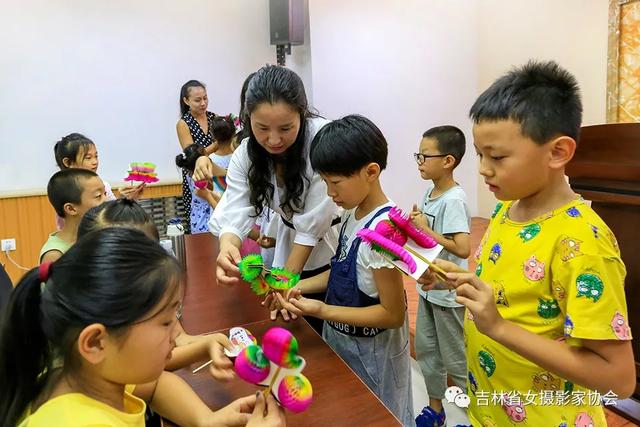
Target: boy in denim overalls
[365, 307]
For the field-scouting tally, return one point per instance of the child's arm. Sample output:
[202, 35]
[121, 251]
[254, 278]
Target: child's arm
[174, 399]
[298, 257]
[456, 243]
[254, 234]
[211, 148]
[212, 198]
[602, 365]
[199, 347]
[390, 313]
[315, 284]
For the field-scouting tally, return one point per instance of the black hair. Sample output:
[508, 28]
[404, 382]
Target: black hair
[244, 119]
[242, 114]
[114, 276]
[187, 159]
[69, 147]
[272, 84]
[541, 96]
[450, 140]
[67, 186]
[343, 147]
[118, 213]
[223, 129]
[184, 93]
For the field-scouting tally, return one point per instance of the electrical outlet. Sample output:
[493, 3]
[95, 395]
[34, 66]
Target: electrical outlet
[8, 245]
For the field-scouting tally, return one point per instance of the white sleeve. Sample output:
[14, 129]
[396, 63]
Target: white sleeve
[372, 259]
[319, 210]
[234, 213]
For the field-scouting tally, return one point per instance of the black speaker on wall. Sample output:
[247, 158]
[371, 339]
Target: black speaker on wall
[286, 22]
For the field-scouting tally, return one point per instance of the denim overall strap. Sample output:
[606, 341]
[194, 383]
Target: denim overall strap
[342, 288]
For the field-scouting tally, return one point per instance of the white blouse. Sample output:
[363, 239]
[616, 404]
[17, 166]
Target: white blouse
[235, 214]
[367, 259]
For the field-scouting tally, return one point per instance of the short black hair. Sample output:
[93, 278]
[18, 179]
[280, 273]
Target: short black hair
[542, 97]
[450, 140]
[66, 186]
[223, 129]
[118, 213]
[343, 147]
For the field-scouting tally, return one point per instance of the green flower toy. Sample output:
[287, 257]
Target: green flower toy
[261, 280]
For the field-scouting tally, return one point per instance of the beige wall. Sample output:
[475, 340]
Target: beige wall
[571, 32]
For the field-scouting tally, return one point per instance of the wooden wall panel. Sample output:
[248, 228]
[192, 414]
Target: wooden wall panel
[30, 220]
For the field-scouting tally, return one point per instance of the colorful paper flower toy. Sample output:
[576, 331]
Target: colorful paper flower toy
[262, 280]
[142, 172]
[390, 238]
[277, 365]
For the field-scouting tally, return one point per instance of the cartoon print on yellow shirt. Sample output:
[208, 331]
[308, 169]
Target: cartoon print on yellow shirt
[590, 286]
[528, 232]
[558, 291]
[533, 269]
[569, 248]
[546, 381]
[620, 327]
[487, 362]
[496, 252]
[548, 308]
[498, 291]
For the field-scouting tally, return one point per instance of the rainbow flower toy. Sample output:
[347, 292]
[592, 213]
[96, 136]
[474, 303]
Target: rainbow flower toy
[142, 172]
[278, 366]
[389, 238]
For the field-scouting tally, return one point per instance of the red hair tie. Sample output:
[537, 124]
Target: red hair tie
[44, 270]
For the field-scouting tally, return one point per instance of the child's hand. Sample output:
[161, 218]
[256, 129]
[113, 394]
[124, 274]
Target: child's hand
[419, 219]
[203, 193]
[301, 306]
[267, 413]
[237, 413]
[266, 242]
[429, 280]
[133, 193]
[271, 301]
[478, 297]
[203, 169]
[221, 367]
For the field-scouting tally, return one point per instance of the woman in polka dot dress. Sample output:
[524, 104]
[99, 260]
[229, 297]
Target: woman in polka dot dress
[194, 127]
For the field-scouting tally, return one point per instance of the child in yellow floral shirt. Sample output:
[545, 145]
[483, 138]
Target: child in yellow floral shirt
[546, 331]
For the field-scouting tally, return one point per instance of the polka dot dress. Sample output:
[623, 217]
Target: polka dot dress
[200, 138]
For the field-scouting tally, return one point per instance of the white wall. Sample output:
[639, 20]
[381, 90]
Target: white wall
[571, 32]
[407, 66]
[112, 69]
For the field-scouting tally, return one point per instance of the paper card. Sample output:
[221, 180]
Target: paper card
[429, 254]
[283, 373]
[240, 338]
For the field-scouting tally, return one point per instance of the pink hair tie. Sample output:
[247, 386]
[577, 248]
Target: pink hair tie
[44, 270]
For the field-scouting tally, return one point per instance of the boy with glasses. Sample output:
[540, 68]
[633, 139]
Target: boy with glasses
[444, 215]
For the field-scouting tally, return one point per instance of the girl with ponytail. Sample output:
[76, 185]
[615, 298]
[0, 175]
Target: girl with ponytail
[85, 340]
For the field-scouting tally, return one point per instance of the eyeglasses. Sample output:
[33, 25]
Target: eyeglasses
[420, 158]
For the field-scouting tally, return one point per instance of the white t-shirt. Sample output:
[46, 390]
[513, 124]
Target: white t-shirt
[235, 214]
[367, 259]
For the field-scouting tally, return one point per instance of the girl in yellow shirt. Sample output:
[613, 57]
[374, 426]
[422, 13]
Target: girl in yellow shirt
[76, 333]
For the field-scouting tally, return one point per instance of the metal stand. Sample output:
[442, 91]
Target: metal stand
[281, 51]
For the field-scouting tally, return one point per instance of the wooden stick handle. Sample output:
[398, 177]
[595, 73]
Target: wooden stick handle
[437, 270]
[273, 380]
[201, 367]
